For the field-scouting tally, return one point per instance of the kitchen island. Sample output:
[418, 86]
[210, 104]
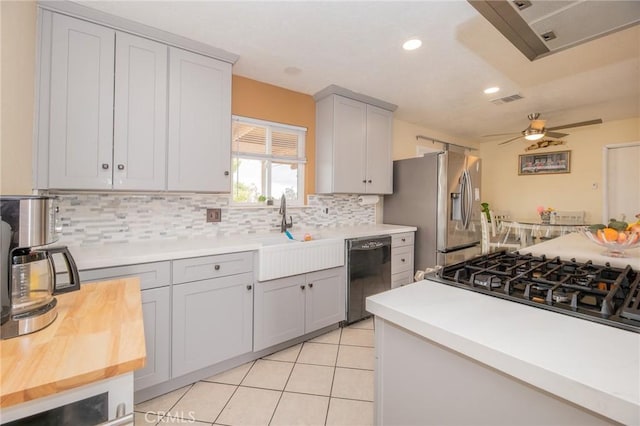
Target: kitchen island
[446, 355]
[93, 346]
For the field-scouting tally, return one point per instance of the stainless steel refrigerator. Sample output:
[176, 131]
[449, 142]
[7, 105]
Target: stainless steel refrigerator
[440, 195]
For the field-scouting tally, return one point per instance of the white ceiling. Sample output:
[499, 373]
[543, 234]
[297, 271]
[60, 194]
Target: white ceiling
[357, 45]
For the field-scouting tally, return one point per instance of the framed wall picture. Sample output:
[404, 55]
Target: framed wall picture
[545, 163]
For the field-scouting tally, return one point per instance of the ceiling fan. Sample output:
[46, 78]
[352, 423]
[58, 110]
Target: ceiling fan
[537, 131]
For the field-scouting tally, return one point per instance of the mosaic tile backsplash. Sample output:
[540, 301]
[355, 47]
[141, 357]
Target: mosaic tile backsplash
[89, 219]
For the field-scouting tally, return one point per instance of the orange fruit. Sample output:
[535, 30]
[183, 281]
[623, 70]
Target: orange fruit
[610, 234]
[622, 237]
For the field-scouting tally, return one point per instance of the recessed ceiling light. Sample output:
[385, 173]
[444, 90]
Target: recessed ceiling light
[412, 44]
[491, 90]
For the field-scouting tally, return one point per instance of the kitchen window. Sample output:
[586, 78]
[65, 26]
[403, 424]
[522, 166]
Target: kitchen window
[267, 160]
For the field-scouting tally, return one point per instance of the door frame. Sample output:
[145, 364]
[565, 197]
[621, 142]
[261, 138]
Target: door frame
[605, 173]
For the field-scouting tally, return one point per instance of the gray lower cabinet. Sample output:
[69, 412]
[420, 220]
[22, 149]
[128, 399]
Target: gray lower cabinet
[402, 262]
[156, 308]
[278, 311]
[212, 315]
[325, 302]
[287, 308]
[155, 280]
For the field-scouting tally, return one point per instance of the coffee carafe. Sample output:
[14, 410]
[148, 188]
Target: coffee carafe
[28, 274]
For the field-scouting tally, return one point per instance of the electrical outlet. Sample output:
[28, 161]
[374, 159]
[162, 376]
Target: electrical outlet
[214, 215]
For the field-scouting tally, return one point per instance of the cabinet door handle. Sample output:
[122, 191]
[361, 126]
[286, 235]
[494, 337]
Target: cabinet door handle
[226, 172]
[105, 166]
[369, 181]
[120, 166]
[310, 285]
[302, 287]
[217, 267]
[249, 286]
[364, 181]
[402, 260]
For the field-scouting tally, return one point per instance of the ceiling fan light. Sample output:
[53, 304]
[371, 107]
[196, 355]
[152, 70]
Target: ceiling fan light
[533, 134]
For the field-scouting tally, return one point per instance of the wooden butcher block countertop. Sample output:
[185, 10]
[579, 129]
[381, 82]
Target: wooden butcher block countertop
[97, 335]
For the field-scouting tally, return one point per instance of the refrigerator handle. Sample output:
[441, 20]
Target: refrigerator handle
[467, 198]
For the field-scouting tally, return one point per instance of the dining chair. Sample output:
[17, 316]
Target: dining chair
[497, 216]
[502, 240]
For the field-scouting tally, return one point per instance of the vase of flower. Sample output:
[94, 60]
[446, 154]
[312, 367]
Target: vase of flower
[545, 214]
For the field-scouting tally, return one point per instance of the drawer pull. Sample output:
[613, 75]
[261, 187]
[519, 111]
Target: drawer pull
[402, 260]
[404, 239]
[249, 286]
[217, 267]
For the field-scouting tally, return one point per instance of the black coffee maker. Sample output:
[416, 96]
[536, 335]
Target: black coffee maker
[27, 267]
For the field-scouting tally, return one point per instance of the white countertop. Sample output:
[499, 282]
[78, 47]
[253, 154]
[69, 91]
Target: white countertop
[593, 365]
[117, 254]
[578, 246]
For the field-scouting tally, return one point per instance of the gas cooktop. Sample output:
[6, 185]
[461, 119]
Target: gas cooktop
[599, 293]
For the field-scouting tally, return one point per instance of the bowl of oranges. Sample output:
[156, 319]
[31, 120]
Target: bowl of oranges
[616, 237]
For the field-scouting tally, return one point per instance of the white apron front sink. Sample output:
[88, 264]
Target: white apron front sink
[282, 258]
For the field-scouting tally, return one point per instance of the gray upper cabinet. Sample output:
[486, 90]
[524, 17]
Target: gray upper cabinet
[81, 104]
[353, 147]
[199, 123]
[140, 112]
[107, 108]
[121, 112]
[379, 170]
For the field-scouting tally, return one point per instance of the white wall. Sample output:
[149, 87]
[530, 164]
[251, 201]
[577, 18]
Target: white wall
[18, 47]
[504, 189]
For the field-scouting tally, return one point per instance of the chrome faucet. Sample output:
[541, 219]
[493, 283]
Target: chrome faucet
[283, 211]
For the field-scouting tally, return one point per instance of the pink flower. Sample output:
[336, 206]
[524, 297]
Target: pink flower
[540, 209]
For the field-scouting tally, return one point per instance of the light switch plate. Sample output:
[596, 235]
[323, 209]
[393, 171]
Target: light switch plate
[214, 215]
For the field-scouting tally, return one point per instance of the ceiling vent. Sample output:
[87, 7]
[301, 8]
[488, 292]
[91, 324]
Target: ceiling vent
[506, 99]
[529, 24]
[522, 4]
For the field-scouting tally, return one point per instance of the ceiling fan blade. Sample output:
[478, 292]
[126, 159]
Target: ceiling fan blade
[580, 124]
[556, 135]
[501, 134]
[510, 140]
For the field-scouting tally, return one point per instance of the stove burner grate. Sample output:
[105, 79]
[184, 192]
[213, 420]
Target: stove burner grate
[599, 293]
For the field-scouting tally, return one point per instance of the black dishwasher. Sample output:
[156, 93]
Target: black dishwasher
[368, 272]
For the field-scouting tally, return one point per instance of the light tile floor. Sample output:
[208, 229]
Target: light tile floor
[324, 381]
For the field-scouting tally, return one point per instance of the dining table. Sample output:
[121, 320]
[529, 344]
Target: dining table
[532, 230]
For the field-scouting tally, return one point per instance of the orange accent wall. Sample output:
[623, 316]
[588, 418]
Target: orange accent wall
[251, 98]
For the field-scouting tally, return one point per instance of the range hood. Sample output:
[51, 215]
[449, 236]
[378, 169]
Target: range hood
[540, 27]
